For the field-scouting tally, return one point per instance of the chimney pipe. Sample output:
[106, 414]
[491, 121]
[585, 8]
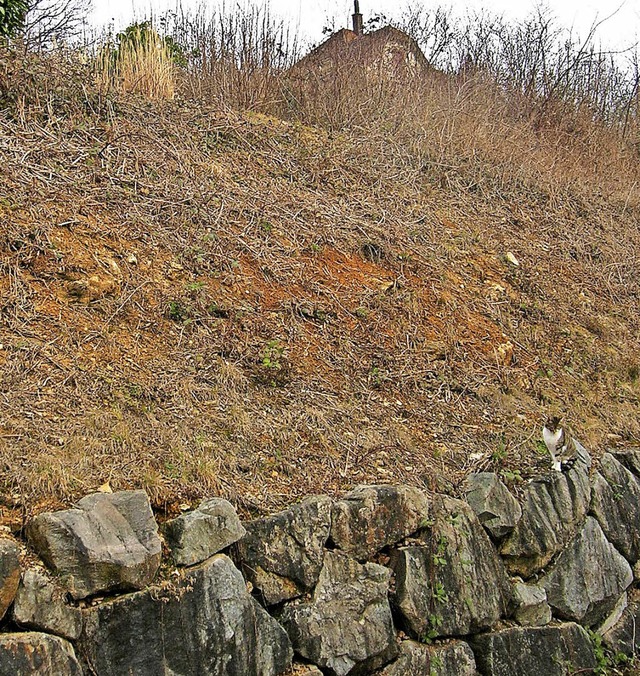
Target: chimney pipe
[357, 18]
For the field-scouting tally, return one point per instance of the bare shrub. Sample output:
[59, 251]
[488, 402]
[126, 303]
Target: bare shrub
[51, 22]
[236, 57]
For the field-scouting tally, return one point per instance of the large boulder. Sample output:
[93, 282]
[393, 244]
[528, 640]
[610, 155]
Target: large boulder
[615, 503]
[588, 577]
[37, 655]
[533, 651]
[282, 555]
[208, 624]
[417, 659]
[452, 582]
[372, 517]
[497, 510]
[553, 511]
[9, 573]
[40, 604]
[347, 627]
[195, 536]
[108, 542]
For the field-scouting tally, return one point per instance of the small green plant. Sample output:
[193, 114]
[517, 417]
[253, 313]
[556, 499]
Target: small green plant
[377, 377]
[439, 556]
[608, 662]
[177, 312]
[362, 313]
[511, 475]
[271, 357]
[432, 632]
[194, 287]
[439, 593]
[266, 226]
[500, 453]
[456, 520]
[437, 665]
[618, 492]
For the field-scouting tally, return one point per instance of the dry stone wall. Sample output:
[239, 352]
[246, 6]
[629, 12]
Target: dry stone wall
[388, 580]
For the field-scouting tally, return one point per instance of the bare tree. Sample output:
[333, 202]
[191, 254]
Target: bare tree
[54, 21]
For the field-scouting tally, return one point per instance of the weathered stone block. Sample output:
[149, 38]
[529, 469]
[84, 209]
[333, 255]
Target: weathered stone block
[553, 511]
[630, 458]
[497, 510]
[532, 609]
[417, 659]
[40, 604]
[37, 654]
[196, 536]
[588, 577]
[107, 542]
[453, 583]
[282, 555]
[208, 624]
[9, 573]
[614, 616]
[372, 517]
[533, 651]
[615, 503]
[347, 628]
[624, 636]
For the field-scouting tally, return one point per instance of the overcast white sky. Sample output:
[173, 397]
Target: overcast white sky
[618, 32]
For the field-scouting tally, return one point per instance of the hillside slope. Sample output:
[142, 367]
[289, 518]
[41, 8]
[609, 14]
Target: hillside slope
[201, 302]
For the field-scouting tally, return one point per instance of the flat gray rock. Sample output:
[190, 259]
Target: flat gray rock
[614, 616]
[534, 651]
[40, 604]
[283, 554]
[624, 636]
[417, 659]
[532, 609]
[347, 628]
[371, 517]
[553, 510]
[497, 510]
[206, 625]
[37, 654]
[452, 581]
[9, 573]
[630, 458]
[588, 577]
[615, 503]
[196, 536]
[108, 542]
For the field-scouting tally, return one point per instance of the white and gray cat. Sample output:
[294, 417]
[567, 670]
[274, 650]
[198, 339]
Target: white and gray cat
[559, 440]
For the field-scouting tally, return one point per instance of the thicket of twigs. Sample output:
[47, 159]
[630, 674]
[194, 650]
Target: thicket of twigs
[526, 102]
[217, 280]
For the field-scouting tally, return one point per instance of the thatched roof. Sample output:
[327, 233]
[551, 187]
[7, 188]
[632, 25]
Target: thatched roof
[387, 51]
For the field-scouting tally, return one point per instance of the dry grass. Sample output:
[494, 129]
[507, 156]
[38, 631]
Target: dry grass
[198, 301]
[141, 64]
